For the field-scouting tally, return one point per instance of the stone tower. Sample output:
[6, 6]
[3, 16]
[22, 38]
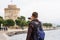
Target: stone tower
[11, 12]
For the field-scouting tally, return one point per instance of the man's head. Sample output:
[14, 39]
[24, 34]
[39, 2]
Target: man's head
[34, 15]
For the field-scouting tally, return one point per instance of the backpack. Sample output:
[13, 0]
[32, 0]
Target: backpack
[38, 32]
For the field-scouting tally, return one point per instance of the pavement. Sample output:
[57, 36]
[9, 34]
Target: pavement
[4, 36]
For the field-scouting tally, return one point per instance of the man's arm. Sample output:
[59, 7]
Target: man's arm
[30, 29]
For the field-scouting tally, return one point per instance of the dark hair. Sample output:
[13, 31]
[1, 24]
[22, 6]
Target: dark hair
[35, 14]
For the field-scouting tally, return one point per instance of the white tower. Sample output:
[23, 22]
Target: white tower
[12, 12]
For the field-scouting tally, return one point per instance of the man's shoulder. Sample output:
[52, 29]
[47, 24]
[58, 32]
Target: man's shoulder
[35, 21]
[32, 22]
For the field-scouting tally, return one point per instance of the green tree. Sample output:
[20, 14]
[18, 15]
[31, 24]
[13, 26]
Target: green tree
[27, 23]
[9, 22]
[1, 17]
[21, 21]
[18, 22]
[21, 18]
[48, 25]
[1, 21]
[22, 24]
[58, 25]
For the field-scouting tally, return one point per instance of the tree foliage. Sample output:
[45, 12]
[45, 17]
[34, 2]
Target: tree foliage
[47, 24]
[1, 20]
[21, 18]
[18, 22]
[9, 22]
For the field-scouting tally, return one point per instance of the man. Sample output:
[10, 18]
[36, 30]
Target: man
[32, 33]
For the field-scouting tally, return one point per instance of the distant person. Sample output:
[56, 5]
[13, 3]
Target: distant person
[35, 31]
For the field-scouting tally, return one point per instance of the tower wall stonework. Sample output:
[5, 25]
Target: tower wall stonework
[11, 12]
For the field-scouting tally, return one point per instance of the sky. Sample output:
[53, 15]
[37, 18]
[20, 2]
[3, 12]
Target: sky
[48, 10]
